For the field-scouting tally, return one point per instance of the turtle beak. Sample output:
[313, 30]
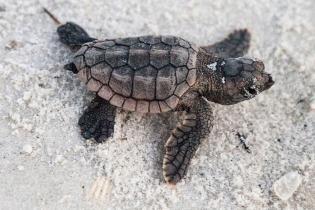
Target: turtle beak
[269, 83]
[260, 67]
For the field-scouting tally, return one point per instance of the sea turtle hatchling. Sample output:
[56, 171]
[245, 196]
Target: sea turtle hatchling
[155, 74]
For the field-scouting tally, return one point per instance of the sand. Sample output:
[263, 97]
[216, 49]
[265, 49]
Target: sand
[46, 164]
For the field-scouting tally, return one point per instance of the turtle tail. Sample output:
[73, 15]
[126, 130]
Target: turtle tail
[71, 67]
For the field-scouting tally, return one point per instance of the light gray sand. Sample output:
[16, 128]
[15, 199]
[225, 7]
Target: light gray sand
[45, 164]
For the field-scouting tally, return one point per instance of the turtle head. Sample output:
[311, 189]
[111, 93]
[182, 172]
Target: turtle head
[237, 79]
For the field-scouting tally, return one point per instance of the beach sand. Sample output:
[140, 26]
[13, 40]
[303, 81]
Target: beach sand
[46, 164]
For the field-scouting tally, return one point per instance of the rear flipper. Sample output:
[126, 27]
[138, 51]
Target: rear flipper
[235, 45]
[70, 33]
[185, 139]
[73, 35]
[98, 120]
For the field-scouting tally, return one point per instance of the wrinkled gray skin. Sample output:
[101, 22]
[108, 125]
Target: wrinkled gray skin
[222, 76]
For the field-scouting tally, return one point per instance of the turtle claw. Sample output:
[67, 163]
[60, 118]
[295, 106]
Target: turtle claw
[98, 120]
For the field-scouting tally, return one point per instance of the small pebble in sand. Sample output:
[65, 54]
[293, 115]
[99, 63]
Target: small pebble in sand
[59, 159]
[287, 185]
[101, 189]
[27, 148]
[20, 168]
[312, 104]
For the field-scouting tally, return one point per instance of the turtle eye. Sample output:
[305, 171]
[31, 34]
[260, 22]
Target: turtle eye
[249, 92]
[252, 90]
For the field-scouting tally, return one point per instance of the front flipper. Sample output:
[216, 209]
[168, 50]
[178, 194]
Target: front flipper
[235, 45]
[98, 120]
[185, 139]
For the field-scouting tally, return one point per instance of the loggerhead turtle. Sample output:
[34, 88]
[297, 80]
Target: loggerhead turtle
[155, 74]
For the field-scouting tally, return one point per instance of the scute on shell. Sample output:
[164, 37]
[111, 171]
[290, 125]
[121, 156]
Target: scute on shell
[144, 74]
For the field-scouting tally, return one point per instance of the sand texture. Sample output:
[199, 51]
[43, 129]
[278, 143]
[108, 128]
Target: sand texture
[46, 164]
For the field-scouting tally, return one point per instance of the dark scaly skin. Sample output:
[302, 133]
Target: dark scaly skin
[232, 81]
[98, 120]
[186, 137]
[73, 35]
